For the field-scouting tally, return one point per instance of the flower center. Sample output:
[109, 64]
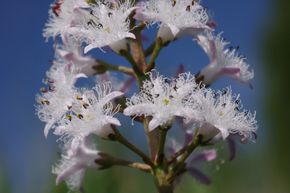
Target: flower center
[107, 29]
[166, 102]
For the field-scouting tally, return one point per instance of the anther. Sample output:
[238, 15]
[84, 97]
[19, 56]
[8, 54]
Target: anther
[173, 3]
[69, 117]
[80, 116]
[188, 8]
[86, 105]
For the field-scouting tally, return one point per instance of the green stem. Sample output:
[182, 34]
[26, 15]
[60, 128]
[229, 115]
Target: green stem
[180, 164]
[111, 67]
[135, 165]
[152, 138]
[162, 139]
[162, 182]
[138, 72]
[119, 137]
[157, 48]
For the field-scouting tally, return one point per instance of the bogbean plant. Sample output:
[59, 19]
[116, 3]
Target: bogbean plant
[77, 115]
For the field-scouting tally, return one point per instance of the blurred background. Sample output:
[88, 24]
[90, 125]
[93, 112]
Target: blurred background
[262, 30]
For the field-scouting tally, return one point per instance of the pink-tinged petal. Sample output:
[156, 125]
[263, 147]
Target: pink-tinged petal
[206, 155]
[207, 44]
[89, 48]
[230, 71]
[153, 124]
[232, 148]
[199, 175]
[110, 97]
[113, 121]
[68, 172]
[139, 109]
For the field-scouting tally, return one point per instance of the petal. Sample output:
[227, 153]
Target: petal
[139, 109]
[165, 33]
[65, 174]
[113, 121]
[47, 128]
[175, 30]
[230, 71]
[153, 124]
[110, 97]
[89, 48]
[206, 155]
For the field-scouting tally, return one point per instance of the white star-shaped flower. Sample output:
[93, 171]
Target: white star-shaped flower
[58, 97]
[176, 18]
[163, 99]
[223, 61]
[108, 25]
[92, 113]
[72, 166]
[71, 53]
[64, 16]
[222, 115]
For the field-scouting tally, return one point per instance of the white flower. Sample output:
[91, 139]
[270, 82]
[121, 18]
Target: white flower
[223, 61]
[64, 16]
[108, 26]
[176, 17]
[92, 113]
[57, 99]
[222, 115]
[72, 166]
[71, 53]
[163, 99]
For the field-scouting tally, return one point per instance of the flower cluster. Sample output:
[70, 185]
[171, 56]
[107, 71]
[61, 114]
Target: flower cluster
[214, 113]
[78, 114]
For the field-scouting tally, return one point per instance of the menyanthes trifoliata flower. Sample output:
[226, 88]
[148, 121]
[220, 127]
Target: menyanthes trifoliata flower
[159, 95]
[175, 17]
[65, 18]
[108, 25]
[223, 61]
[92, 113]
[221, 114]
[73, 164]
[72, 53]
[58, 97]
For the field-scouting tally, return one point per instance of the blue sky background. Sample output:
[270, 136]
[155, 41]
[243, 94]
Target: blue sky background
[25, 155]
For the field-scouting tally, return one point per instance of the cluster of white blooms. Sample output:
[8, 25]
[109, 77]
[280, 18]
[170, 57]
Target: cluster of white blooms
[76, 114]
[214, 113]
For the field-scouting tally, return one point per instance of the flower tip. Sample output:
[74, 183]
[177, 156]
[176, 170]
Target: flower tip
[88, 48]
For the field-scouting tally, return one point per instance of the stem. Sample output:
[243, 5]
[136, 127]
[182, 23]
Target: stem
[162, 139]
[186, 153]
[118, 137]
[138, 72]
[135, 165]
[152, 138]
[118, 68]
[150, 49]
[155, 53]
[161, 181]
